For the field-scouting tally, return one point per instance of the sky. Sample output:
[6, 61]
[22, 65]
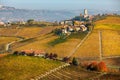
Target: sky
[63, 4]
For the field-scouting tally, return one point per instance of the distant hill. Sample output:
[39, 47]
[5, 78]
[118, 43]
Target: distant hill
[13, 14]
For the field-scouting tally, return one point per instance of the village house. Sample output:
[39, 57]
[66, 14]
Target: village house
[39, 53]
[84, 28]
[68, 29]
[2, 23]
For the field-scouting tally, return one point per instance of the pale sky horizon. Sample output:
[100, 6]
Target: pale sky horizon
[63, 4]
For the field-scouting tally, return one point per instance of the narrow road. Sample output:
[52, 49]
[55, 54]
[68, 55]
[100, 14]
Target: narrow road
[100, 44]
[8, 46]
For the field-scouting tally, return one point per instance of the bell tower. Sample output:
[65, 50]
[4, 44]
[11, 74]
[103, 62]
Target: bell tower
[85, 13]
[1, 4]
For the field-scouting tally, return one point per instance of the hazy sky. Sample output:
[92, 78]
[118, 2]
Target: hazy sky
[63, 4]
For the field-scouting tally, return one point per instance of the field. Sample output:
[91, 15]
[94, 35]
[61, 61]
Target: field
[111, 43]
[6, 40]
[110, 29]
[62, 49]
[24, 67]
[43, 43]
[71, 73]
[90, 48]
[38, 43]
[27, 32]
[8, 32]
[111, 22]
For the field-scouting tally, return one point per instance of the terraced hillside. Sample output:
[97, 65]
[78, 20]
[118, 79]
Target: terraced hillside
[24, 67]
[71, 73]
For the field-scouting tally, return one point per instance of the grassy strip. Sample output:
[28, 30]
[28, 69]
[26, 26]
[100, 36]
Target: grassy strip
[64, 38]
[57, 41]
[78, 35]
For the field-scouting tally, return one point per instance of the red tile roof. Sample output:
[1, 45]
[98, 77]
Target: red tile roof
[34, 51]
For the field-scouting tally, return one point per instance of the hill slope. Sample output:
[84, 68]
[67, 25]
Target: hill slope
[24, 67]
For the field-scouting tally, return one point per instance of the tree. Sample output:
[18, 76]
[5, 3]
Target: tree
[16, 53]
[66, 59]
[57, 31]
[55, 55]
[22, 53]
[30, 21]
[102, 67]
[51, 56]
[92, 66]
[75, 62]
[46, 55]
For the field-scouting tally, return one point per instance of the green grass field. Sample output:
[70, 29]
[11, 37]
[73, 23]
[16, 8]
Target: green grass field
[24, 67]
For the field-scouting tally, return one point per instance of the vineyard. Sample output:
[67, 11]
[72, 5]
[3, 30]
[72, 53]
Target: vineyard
[89, 48]
[110, 40]
[37, 43]
[24, 67]
[111, 43]
[102, 42]
[71, 73]
[111, 22]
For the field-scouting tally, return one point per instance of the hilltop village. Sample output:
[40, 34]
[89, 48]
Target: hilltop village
[77, 24]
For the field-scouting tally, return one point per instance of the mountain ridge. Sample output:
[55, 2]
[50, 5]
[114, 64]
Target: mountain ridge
[13, 14]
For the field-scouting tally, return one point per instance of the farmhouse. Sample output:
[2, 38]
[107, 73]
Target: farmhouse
[2, 23]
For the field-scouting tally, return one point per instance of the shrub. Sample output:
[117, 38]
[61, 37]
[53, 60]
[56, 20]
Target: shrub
[46, 55]
[31, 54]
[57, 31]
[92, 66]
[55, 55]
[75, 62]
[51, 56]
[66, 59]
[102, 67]
[16, 53]
[22, 53]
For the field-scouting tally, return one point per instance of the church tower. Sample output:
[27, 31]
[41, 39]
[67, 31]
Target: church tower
[0, 4]
[85, 13]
